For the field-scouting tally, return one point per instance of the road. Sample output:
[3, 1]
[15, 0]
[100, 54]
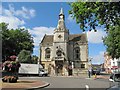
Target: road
[72, 82]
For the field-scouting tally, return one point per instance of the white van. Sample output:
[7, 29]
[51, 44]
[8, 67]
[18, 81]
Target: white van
[32, 69]
[43, 72]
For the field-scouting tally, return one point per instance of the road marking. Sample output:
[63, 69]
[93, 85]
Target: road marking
[87, 87]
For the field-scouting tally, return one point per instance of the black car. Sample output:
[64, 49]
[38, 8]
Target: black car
[115, 77]
[96, 71]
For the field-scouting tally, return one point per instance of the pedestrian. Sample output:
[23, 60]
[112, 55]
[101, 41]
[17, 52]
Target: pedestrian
[89, 72]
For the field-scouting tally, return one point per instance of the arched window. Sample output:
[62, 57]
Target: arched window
[59, 53]
[47, 53]
[77, 53]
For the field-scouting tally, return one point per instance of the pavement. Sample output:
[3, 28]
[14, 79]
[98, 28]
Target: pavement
[100, 77]
[92, 77]
[23, 84]
[36, 84]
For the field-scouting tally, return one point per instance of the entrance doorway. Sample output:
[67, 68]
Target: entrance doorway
[59, 67]
[70, 70]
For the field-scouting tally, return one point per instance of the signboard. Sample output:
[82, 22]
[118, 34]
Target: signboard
[114, 67]
[59, 58]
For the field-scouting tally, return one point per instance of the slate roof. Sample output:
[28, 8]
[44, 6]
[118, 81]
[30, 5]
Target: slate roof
[47, 39]
[72, 37]
[78, 37]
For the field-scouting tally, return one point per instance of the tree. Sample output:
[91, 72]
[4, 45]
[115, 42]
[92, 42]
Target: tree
[13, 41]
[24, 56]
[34, 59]
[94, 14]
[112, 42]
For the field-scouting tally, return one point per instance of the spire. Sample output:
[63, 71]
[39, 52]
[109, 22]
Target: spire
[61, 15]
[61, 22]
[61, 11]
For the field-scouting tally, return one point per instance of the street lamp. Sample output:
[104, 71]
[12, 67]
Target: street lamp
[90, 67]
[90, 61]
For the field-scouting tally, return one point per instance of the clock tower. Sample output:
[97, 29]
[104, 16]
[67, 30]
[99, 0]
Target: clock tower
[60, 40]
[61, 32]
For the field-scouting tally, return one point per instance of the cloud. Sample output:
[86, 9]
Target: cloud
[98, 59]
[70, 19]
[95, 37]
[13, 22]
[0, 9]
[12, 16]
[39, 32]
[23, 12]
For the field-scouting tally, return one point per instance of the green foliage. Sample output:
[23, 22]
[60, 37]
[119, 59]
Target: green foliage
[94, 14]
[34, 59]
[24, 56]
[13, 41]
[112, 42]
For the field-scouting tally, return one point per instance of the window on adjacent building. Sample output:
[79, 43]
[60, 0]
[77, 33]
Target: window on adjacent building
[77, 53]
[47, 53]
[82, 65]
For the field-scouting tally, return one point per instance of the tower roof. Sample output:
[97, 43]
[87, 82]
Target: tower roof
[61, 22]
[61, 11]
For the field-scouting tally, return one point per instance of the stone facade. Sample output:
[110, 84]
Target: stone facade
[107, 63]
[63, 53]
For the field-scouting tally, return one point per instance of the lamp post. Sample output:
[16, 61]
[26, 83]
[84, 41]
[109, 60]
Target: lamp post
[90, 61]
[90, 67]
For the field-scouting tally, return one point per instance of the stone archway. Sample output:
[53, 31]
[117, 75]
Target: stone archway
[59, 67]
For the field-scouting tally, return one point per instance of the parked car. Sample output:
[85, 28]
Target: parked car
[115, 77]
[96, 71]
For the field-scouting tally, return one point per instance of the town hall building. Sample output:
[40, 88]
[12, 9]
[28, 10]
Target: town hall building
[63, 53]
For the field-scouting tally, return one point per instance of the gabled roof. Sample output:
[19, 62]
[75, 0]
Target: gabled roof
[47, 39]
[78, 38]
[73, 37]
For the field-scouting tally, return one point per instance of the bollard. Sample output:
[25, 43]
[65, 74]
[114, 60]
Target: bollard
[95, 76]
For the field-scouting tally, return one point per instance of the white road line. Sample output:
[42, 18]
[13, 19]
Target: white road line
[87, 87]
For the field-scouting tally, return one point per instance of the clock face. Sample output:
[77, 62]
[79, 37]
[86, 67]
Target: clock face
[59, 36]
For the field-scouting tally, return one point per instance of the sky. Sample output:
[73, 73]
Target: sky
[41, 18]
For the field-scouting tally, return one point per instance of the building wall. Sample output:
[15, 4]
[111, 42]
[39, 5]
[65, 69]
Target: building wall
[84, 52]
[110, 65]
[43, 53]
[58, 45]
[107, 63]
[64, 36]
[69, 53]
[114, 63]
